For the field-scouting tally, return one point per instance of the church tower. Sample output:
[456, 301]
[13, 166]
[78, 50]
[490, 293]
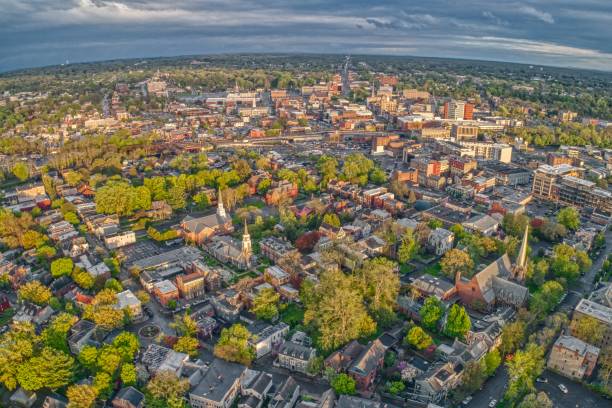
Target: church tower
[246, 245]
[520, 266]
[220, 209]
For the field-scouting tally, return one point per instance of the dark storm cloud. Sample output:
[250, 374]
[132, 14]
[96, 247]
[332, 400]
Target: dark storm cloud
[552, 32]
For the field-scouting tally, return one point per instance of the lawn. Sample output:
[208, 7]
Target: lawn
[293, 314]
[434, 270]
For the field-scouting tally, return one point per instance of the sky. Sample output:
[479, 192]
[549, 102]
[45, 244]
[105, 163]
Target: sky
[567, 33]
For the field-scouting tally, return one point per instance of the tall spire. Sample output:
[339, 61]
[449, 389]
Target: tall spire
[220, 209]
[520, 267]
[246, 245]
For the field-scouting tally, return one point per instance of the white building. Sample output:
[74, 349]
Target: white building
[441, 241]
[120, 240]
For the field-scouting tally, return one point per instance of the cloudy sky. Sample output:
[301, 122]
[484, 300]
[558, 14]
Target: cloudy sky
[574, 33]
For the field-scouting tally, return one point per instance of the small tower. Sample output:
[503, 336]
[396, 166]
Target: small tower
[520, 266]
[246, 245]
[220, 209]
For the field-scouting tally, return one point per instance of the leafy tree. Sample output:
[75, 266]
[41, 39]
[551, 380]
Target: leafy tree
[418, 338]
[315, 365]
[473, 377]
[523, 369]
[46, 252]
[569, 217]
[547, 298]
[71, 218]
[114, 285]
[328, 167]
[187, 344]
[81, 396]
[431, 312]
[435, 223]
[35, 292]
[567, 262]
[83, 278]
[51, 369]
[332, 219]
[32, 239]
[184, 325]
[533, 400]
[492, 360]
[265, 304]
[343, 384]
[166, 387]
[515, 224]
[103, 383]
[588, 329]
[408, 247]
[378, 176]
[395, 387]
[536, 273]
[55, 335]
[126, 344]
[336, 308]
[457, 322]
[61, 267]
[356, 168]
[102, 310]
[128, 374]
[88, 357]
[456, 261]
[108, 359]
[233, 345]
[21, 171]
[513, 335]
[380, 284]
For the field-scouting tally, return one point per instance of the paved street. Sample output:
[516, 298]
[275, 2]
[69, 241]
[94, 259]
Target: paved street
[577, 396]
[494, 388]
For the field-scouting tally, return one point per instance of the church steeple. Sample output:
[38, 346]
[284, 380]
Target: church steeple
[520, 266]
[220, 209]
[246, 243]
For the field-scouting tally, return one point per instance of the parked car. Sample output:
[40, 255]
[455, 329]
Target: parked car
[493, 403]
[542, 380]
[467, 400]
[563, 388]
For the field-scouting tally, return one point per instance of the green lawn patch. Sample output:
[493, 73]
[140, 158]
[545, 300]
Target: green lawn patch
[434, 270]
[293, 314]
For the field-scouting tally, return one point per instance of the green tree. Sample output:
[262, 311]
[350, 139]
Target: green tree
[533, 400]
[378, 176]
[343, 384]
[515, 224]
[128, 374]
[408, 247]
[332, 219]
[513, 335]
[418, 338]
[88, 357]
[61, 267]
[21, 171]
[51, 369]
[336, 308]
[233, 345]
[492, 360]
[126, 344]
[328, 167]
[431, 312]
[187, 344]
[395, 387]
[265, 304]
[81, 396]
[457, 322]
[523, 368]
[167, 388]
[46, 252]
[569, 217]
[588, 329]
[542, 302]
[55, 335]
[435, 223]
[456, 261]
[380, 285]
[35, 292]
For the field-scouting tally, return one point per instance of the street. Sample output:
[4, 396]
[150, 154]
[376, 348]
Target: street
[577, 396]
[494, 388]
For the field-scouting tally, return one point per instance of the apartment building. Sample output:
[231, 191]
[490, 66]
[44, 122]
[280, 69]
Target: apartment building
[573, 357]
[602, 314]
[490, 151]
[545, 178]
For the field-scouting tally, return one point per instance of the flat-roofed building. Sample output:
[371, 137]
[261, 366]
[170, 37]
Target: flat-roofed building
[573, 357]
[545, 178]
[602, 314]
